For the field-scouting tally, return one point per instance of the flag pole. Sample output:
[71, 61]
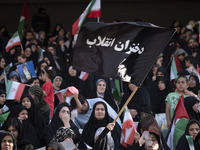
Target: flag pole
[122, 109]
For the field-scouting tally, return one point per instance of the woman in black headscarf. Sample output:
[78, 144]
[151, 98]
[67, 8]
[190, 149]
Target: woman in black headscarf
[38, 96]
[34, 116]
[140, 102]
[192, 129]
[14, 126]
[99, 118]
[55, 146]
[159, 94]
[193, 84]
[7, 141]
[20, 112]
[191, 105]
[72, 79]
[61, 118]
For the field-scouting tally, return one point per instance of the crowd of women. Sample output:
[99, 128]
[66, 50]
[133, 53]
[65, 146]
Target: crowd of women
[41, 118]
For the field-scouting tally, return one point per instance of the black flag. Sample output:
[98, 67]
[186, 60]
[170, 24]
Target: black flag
[125, 50]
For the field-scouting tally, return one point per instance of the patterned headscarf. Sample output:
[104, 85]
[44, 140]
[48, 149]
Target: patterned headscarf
[63, 133]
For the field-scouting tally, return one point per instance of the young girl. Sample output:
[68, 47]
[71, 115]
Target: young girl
[48, 74]
[172, 98]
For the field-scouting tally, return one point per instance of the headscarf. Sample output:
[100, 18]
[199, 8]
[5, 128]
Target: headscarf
[56, 123]
[3, 134]
[189, 102]
[39, 101]
[196, 88]
[34, 116]
[63, 133]
[54, 86]
[93, 124]
[183, 143]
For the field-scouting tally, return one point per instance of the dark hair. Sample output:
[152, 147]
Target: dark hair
[81, 98]
[190, 59]
[51, 72]
[181, 77]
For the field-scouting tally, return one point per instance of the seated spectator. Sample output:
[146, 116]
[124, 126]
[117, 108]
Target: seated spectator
[7, 141]
[61, 118]
[192, 129]
[99, 118]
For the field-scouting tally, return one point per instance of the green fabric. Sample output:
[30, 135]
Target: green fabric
[172, 99]
[179, 130]
[117, 93]
[3, 117]
[190, 141]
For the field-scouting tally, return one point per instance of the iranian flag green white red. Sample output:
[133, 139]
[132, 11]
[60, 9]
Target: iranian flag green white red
[93, 10]
[15, 40]
[14, 90]
[128, 129]
[175, 68]
[25, 17]
[83, 75]
[178, 125]
[40, 52]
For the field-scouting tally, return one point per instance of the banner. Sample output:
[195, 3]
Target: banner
[125, 50]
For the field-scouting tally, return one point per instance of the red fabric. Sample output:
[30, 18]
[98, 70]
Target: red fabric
[178, 64]
[48, 88]
[25, 12]
[180, 110]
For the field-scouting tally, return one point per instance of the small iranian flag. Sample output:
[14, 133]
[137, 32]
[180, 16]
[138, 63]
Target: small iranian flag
[15, 40]
[93, 10]
[175, 68]
[178, 125]
[24, 17]
[128, 129]
[84, 75]
[40, 52]
[14, 90]
[59, 95]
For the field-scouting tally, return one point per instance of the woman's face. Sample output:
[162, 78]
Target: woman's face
[160, 74]
[7, 143]
[64, 112]
[131, 86]
[2, 99]
[47, 60]
[43, 65]
[14, 131]
[21, 60]
[27, 52]
[194, 130]
[26, 102]
[2, 63]
[192, 82]
[155, 144]
[58, 82]
[72, 72]
[100, 112]
[23, 115]
[161, 85]
[195, 107]
[101, 87]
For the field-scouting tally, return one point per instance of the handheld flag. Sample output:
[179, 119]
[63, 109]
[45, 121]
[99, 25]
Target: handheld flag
[14, 90]
[128, 129]
[25, 17]
[178, 125]
[93, 10]
[123, 50]
[15, 40]
[40, 52]
[175, 68]
[84, 75]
